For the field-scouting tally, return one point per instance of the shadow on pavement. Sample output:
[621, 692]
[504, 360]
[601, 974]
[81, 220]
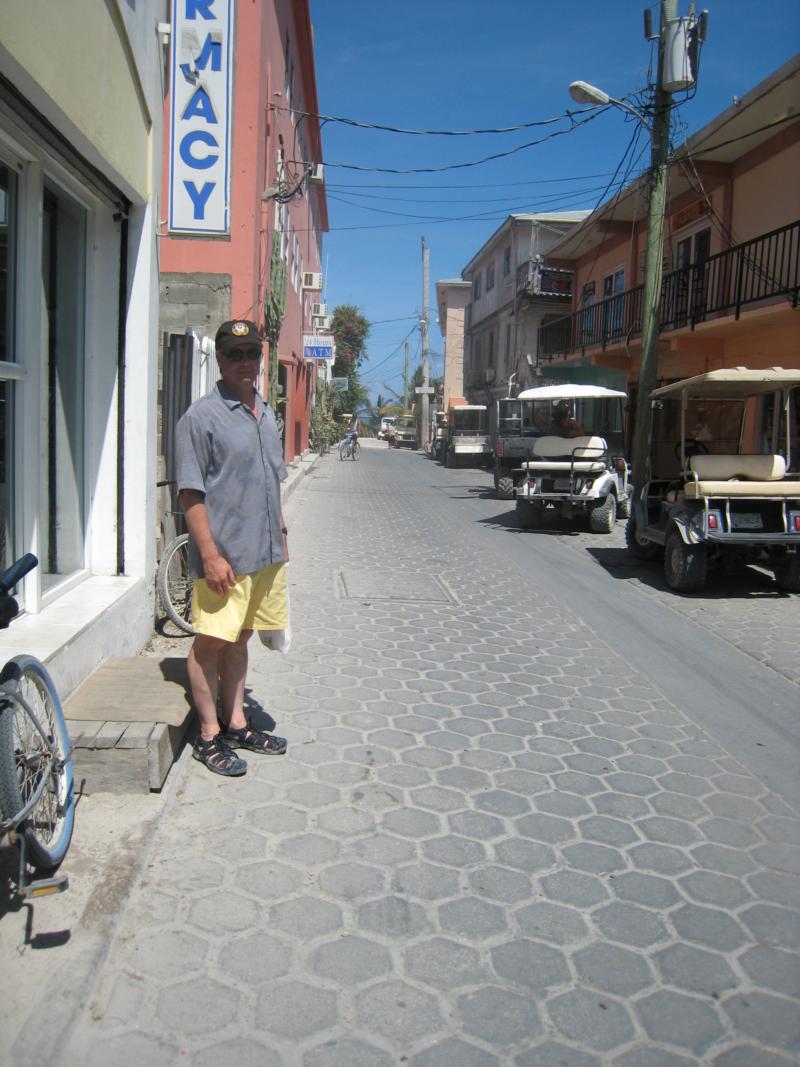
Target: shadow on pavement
[746, 584]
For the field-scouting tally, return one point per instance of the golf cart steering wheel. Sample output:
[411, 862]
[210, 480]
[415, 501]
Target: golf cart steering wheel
[693, 448]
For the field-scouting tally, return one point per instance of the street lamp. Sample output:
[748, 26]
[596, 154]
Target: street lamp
[584, 93]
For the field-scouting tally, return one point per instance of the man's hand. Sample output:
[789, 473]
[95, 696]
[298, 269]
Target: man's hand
[218, 574]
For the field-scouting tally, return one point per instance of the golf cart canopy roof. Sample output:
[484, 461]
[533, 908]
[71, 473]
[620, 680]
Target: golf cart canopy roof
[468, 407]
[568, 392]
[732, 382]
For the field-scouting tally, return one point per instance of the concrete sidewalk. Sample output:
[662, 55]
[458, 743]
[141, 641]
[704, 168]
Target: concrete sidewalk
[491, 842]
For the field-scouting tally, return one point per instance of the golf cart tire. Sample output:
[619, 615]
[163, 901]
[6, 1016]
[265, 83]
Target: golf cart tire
[529, 516]
[505, 488]
[603, 516]
[787, 575]
[624, 508]
[685, 566]
[645, 550]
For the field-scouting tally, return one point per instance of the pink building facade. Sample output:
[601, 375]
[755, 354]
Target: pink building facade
[276, 210]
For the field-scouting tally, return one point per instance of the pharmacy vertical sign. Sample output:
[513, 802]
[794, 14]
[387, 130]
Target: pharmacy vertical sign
[201, 95]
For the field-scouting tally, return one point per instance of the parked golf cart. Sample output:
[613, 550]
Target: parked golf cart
[439, 442]
[515, 430]
[467, 436]
[725, 477]
[575, 456]
[405, 431]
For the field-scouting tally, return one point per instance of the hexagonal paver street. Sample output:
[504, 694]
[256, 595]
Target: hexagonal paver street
[496, 838]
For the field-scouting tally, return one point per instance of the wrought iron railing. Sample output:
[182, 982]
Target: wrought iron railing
[764, 268]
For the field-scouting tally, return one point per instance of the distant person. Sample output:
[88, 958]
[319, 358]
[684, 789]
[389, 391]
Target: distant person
[702, 431]
[563, 424]
[391, 436]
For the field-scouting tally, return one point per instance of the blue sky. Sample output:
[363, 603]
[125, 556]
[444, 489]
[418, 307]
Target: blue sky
[470, 65]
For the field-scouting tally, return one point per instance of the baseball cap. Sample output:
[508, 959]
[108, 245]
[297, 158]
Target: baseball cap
[237, 333]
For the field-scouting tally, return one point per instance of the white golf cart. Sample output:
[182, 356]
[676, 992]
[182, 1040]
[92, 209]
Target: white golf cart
[725, 482]
[576, 465]
[467, 436]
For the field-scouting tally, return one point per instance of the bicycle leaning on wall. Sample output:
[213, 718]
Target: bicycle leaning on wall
[37, 799]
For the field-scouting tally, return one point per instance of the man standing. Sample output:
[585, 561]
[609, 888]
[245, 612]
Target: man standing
[230, 466]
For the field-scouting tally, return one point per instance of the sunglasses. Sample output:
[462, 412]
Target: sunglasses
[236, 355]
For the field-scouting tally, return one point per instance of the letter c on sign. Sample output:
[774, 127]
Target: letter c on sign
[188, 143]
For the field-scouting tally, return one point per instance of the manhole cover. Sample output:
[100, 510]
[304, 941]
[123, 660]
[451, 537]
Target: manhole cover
[397, 585]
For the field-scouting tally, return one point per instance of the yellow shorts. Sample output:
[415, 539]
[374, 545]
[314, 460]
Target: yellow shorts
[256, 602]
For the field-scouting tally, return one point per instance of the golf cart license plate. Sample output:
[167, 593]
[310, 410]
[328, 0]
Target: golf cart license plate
[561, 483]
[747, 520]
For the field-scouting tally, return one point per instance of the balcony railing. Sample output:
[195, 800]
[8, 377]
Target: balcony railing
[764, 268]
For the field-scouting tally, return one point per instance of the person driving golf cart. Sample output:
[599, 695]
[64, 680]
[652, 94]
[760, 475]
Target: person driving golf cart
[563, 424]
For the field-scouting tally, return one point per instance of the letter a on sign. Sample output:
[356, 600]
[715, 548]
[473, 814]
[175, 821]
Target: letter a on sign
[201, 84]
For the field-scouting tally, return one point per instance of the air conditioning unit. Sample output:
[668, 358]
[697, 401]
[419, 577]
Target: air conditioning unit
[312, 281]
[316, 173]
[320, 323]
[320, 310]
[488, 375]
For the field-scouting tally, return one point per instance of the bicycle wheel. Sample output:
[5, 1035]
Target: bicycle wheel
[174, 583]
[355, 451]
[25, 759]
[343, 450]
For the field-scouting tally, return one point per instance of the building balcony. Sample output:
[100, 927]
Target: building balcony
[762, 269]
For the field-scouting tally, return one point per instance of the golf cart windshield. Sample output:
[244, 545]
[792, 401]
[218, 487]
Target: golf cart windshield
[468, 420]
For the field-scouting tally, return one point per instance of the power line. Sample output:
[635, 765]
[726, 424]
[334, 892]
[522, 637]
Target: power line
[468, 185]
[575, 124]
[358, 123]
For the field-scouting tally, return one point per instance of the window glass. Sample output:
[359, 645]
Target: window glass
[62, 504]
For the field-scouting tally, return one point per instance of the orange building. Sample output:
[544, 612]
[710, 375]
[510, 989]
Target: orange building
[731, 255]
[242, 120]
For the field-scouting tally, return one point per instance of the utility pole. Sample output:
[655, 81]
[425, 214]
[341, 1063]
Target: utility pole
[426, 370]
[405, 379]
[653, 266]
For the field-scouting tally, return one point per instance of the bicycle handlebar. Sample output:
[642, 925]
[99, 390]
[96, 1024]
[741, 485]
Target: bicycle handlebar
[16, 572]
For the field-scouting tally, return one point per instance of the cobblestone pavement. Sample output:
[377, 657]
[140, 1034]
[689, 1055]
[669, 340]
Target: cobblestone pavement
[491, 842]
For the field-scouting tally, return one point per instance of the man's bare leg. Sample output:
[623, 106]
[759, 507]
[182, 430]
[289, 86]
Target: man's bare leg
[203, 666]
[232, 674]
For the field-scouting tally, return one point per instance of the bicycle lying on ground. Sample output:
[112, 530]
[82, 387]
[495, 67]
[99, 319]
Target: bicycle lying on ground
[350, 449]
[37, 801]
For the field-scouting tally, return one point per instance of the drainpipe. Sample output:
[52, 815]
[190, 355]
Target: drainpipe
[122, 217]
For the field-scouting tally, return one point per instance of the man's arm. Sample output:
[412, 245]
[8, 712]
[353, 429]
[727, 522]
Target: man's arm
[218, 572]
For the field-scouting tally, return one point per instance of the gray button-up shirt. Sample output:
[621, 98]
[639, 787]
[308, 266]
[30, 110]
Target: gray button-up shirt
[236, 460]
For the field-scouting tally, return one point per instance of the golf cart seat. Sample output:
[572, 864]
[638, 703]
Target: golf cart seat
[584, 454]
[738, 475]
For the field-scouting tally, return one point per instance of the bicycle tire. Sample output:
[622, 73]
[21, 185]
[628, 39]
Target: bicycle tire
[24, 758]
[174, 583]
[355, 451]
[343, 450]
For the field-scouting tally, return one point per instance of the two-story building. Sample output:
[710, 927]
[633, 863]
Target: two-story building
[244, 203]
[511, 295]
[731, 254]
[81, 96]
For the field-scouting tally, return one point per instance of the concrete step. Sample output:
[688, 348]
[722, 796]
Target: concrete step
[127, 723]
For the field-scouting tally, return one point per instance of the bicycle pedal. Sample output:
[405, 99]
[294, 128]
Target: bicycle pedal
[45, 887]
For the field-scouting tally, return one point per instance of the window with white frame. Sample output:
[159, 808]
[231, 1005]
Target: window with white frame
[44, 468]
[476, 287]
[489, 277]
[507, 261]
